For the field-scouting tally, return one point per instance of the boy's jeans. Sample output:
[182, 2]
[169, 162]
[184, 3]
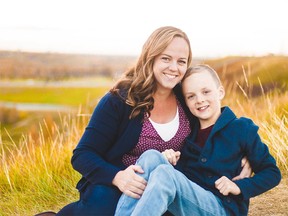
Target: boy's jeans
[168, 189]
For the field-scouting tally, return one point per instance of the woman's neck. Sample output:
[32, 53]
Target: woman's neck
[163, 95]
[165, 107]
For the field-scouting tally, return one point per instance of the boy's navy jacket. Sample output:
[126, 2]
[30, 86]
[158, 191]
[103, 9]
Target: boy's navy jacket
[229, 141]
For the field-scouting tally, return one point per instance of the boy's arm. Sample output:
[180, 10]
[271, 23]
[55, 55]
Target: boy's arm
[267, 174]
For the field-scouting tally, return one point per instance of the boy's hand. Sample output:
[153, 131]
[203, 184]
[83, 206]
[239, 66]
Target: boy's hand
[226, 186]
[172, 156]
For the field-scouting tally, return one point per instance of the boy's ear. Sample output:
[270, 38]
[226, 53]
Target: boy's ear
[221, 92]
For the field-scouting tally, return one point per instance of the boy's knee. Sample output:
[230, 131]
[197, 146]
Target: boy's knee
[151, 152]
[164, 170]
[150, 159]
[152, 156]
[164, 177]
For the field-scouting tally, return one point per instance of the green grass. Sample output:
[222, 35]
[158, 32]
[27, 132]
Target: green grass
[51, 95]
[18, 122]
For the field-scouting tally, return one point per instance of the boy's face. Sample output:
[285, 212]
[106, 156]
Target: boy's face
[203, 97]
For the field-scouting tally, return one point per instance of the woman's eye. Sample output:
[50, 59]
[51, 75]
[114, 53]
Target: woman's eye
[165, 59]
[182, 62]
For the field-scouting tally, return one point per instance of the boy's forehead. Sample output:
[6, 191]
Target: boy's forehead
[201, 75]
[199, 79]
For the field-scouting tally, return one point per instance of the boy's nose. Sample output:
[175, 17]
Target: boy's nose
[199, 98]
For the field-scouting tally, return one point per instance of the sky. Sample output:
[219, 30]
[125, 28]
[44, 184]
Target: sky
[216, 28]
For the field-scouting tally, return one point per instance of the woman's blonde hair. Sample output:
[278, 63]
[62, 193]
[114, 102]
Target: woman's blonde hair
[139, 81]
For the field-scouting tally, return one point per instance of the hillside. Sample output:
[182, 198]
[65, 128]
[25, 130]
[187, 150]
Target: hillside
[58, 66]
[256, 73]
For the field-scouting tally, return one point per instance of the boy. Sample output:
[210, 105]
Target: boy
[209, 160]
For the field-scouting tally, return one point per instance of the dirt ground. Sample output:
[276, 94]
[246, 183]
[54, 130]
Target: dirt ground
[273, 202]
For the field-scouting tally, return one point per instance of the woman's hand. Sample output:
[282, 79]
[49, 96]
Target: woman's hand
[129, 182]
[172, 156]
[246, 171]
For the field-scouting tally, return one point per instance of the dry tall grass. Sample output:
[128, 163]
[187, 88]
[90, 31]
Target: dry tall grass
[36, 175]
[268, 111]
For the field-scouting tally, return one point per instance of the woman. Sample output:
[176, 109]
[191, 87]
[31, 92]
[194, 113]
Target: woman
[133, 117]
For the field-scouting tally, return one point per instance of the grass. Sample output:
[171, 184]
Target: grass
[70, 92]
[270, 115]
[50, 95]
[271, 70]
[36, 174]
[273, 202]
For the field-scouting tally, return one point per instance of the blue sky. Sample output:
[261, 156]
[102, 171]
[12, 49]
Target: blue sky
[215, 28]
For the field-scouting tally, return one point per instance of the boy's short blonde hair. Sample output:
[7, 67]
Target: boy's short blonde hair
[201, 68]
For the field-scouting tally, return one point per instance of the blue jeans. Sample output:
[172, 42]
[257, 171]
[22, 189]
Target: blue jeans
[168, 189]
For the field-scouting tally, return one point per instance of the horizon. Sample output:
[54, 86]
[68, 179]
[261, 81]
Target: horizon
[135, 56]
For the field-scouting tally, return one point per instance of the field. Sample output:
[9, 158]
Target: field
[36, 146]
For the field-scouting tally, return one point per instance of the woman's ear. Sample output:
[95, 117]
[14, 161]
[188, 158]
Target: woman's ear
[221, 92]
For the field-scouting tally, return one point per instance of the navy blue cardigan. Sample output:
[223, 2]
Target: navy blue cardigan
[109, 135]
[229, 141]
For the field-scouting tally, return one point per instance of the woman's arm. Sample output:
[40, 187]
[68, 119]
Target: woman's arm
[90, 156]
[246, 171]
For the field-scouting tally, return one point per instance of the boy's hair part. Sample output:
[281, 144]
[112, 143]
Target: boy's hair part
[201, 68]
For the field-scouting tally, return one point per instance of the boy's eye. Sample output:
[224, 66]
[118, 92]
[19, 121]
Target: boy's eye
[190, 96]
[206, 92]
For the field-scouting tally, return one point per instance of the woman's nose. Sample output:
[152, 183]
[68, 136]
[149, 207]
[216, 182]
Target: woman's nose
[173, 66]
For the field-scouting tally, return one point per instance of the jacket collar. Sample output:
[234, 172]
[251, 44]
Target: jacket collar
[225, 118]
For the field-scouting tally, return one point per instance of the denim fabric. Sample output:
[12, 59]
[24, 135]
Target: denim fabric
[168, 189]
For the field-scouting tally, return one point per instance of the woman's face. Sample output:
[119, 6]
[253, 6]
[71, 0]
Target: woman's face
[170, 66]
